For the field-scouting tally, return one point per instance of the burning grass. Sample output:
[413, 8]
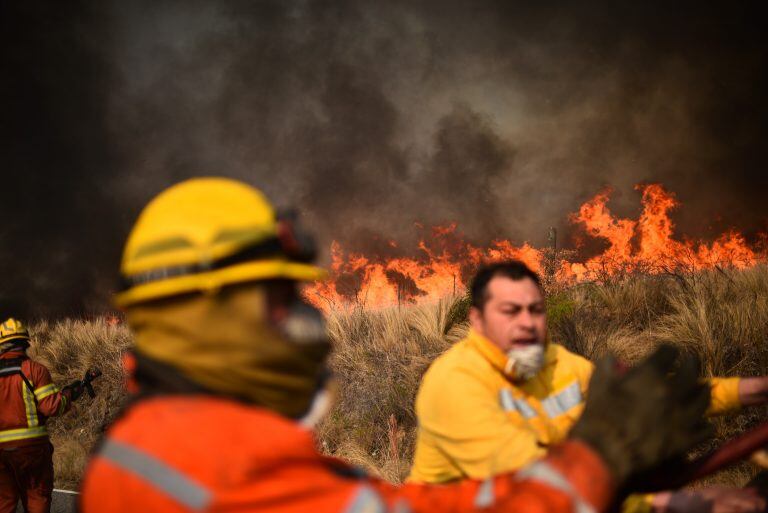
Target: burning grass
[444, 260]
[380, 356]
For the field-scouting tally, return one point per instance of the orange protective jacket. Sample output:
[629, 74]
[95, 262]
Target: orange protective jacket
[25, 405]
[183, 453]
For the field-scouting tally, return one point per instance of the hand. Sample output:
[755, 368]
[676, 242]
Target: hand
[645, 417]
[753, 391]
[75, 390]
[714, 499]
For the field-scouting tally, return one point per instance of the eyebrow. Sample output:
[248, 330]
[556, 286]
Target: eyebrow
[510, 303]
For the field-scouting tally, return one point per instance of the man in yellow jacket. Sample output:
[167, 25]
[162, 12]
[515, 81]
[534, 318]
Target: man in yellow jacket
[499, 398]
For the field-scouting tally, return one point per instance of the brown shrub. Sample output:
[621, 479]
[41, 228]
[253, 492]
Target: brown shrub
[379, 359]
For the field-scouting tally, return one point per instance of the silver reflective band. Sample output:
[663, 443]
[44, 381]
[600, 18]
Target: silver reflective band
[561, 402]
[10, 370]
[543, 472]
[365, 500]
[402, 506]
[321, 404]
[158, 474]
[510, 403]
[486, 495]
[506, 400]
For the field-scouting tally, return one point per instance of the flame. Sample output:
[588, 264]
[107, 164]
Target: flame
[112, 320]
[445, 261]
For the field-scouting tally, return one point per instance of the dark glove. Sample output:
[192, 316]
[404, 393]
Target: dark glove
[75, 390]
[647, 416]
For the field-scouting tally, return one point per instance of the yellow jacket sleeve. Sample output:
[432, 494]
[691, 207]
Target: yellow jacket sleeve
[464, 422]
[638, 504]
[724, 396]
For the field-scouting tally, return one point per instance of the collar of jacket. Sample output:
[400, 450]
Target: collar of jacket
[498, 359]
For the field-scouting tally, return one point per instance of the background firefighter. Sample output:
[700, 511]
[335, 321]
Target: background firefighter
[498, 399]
[28, 397]
[231, 372]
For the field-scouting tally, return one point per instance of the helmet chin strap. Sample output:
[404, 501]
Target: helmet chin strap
[321, 405]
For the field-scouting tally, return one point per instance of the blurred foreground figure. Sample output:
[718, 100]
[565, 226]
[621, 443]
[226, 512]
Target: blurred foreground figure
[230, 372]
[28, 397]
[499, 399]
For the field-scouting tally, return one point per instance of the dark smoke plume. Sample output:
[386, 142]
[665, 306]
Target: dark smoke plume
[369, 116]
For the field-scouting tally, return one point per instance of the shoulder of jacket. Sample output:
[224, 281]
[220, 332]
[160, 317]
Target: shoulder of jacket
[569, 363]
[461, 356]
[455, 368]
[181, 430]
[562, 353]
[34, 366]
[198, 405]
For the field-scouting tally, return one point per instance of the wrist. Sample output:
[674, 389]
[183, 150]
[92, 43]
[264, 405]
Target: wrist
[660, 502]
[753, 391]
[612, 454]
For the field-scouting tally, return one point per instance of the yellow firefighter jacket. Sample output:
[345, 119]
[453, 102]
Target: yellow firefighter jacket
[475, 422]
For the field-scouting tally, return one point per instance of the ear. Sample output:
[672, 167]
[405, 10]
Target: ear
[476, 319]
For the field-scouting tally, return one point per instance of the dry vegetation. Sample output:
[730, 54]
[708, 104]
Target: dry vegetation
[380, 356]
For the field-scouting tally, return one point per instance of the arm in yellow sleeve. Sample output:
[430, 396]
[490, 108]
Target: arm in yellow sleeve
[638, 504]
[464, 420]
[725, 396]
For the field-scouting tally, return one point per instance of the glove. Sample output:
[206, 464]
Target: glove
[645, 417]
[75, 390]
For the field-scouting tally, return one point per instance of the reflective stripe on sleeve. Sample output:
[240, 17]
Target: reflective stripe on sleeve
[559, 403]
[7, 371]
[402, 506]
[365, 500]
[545, 473]
[486, 495]
[511, 403]
[43, 392]
[507, 400]
[11, 435]
[30, 406]
[160, 475]
[62, 404]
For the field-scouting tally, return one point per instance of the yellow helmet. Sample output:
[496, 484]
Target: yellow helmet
[204, 233]
[13, 329]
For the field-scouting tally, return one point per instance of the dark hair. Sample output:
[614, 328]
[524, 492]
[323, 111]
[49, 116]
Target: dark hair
[512, 269]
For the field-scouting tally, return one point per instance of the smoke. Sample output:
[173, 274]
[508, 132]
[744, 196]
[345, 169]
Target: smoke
[369, 117]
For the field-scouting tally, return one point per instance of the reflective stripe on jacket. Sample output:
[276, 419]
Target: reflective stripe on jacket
[23, 411]
[474, 422]
[198, 453]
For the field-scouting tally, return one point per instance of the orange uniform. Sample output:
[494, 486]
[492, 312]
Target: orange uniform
[182, 453]
[27, 398]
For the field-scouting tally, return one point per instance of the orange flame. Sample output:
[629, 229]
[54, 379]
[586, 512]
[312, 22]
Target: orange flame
[445, 261]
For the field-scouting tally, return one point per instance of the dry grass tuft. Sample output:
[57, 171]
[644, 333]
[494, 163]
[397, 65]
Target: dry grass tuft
[378, 360]
[380, 357]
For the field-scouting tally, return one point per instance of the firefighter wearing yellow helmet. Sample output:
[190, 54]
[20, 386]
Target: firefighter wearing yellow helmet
[206, 233]
[28, 397]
